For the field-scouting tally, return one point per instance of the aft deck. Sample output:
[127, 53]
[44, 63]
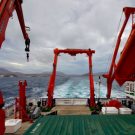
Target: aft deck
[83, 125]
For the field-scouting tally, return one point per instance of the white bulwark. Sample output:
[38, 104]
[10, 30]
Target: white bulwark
[71, 101]
[130, 89]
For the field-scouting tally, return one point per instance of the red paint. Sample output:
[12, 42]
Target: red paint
[113, 103]
[72, 52]
[2, 122]
[6, 11]
[92, 95]
[20, 103]
[22, 98]
[124, 69]
[1, 98]
[2, 115]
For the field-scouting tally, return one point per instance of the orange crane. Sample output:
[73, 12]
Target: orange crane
[124, 69]
[72, 52]
[6, 10]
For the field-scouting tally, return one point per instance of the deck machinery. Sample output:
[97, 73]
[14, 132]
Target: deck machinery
[124, 69]
[72, 52]
[20, 110]
[2, 115]
[6, 10]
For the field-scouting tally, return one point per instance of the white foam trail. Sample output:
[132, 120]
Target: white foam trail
[72, 89]
[81, 90]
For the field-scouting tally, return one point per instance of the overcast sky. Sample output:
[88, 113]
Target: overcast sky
[62, 24]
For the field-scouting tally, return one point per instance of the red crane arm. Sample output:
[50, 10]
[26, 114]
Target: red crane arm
[6, 10]
[125, 63]
[19, 12]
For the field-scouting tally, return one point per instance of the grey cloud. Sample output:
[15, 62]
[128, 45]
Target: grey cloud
[64, 24]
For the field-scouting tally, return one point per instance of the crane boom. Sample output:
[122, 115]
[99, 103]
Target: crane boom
[124, 69]
[6, 10]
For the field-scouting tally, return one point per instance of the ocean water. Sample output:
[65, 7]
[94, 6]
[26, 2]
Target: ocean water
[78, 87]
[66, 87]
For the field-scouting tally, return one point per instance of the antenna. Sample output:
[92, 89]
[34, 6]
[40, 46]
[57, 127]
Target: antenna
[99, 82]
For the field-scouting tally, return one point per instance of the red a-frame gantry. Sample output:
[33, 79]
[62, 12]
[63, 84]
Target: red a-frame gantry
[71, 52]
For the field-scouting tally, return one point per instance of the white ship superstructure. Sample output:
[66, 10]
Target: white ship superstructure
[130, 89]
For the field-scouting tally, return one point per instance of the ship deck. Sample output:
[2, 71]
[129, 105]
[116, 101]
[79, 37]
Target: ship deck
[83, 125]
[72, 110]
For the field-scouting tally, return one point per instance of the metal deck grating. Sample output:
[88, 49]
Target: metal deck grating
[84, 125]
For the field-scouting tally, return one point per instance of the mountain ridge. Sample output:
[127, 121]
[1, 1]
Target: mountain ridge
[6, 73]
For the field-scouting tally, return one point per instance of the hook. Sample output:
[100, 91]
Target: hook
[27, 55]
[27, 49]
